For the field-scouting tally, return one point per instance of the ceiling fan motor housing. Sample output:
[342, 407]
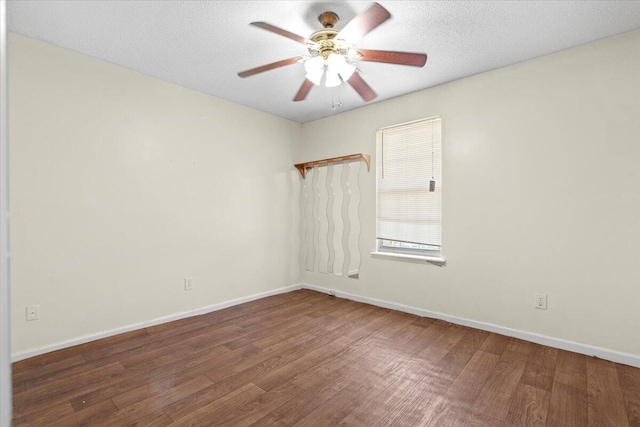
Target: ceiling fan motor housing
[324, 43]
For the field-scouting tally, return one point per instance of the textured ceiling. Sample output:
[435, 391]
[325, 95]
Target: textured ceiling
[203, 44]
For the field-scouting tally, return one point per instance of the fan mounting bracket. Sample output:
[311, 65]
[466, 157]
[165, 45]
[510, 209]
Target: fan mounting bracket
[328, 19]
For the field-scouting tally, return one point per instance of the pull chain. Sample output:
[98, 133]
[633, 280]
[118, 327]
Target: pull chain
[335, 106]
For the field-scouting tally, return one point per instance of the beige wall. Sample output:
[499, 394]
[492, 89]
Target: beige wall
[541, 194]
[123, 185]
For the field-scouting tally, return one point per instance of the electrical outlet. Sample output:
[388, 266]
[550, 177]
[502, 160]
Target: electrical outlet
[33, 312]
[541, 301]
[188, 284]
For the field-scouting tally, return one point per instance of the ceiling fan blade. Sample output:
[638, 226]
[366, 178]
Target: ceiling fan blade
[363, 89]
[268, 67]
[390, 57]
[280, 31]
[364, 23]
[304, 90]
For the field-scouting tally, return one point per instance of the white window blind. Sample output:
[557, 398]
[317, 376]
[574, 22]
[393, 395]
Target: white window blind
[409, 215]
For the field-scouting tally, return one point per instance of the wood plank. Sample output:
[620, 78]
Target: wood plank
[630, 383]
[495, 344]
[317, 386]
[148, 407]
[42, 414]
[568, 406]
[519, 346]
[495, 397]
[247, 413]
[190, 351]
[316, 326]
[450, 338]
[268, 337]
[150, 389]
[335, 347]
[604, 395]
[52, 393]
[288, 349]
[18, 386]
[46, 371]
[207, 414]
[529, 406]
[455, 360]
[541, 367]
[464, 390]
[64, 375]
[337, 407]
[184, 407]
[423, 340]
[452, 414]
[113, 345]
[122, 419]
[258, 307]
[214, 338]
[190, 369]
[352, 356]
[373, 401]
[423, 322]
[571, 369]
[93, 415]
[104, 344]
[467, 386]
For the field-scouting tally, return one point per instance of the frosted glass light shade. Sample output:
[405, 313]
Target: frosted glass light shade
[339, 65]
[314, 68]
[314, 77]
[332, 79]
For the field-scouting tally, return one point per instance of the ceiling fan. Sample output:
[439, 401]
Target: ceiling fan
[332, 53]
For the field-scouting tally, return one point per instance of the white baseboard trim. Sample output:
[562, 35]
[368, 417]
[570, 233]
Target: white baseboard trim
[589, 350]
[165, 319]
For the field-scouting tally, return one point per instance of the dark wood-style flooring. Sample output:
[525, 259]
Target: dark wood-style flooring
[307, 359]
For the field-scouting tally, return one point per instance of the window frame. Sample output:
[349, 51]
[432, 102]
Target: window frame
[430, 255]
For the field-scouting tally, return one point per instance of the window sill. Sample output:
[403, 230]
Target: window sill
[430, 259]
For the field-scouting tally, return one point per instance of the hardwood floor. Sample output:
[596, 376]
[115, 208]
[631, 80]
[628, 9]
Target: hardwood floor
[308, 359]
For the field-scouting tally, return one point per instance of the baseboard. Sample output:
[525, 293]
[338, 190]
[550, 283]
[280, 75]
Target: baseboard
[589, 350]
[99, 335]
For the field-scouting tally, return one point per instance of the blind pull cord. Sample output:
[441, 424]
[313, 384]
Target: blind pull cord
[432, 183]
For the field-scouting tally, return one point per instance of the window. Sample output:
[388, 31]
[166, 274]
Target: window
[409, 190]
